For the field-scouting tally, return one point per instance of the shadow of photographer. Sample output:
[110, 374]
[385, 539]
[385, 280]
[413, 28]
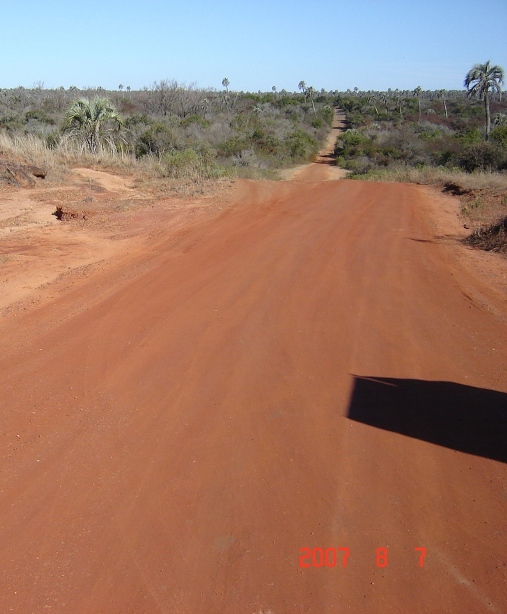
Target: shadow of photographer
[463, 418]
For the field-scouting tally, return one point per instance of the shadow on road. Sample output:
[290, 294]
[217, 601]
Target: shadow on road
[326, 159]
[471, 420]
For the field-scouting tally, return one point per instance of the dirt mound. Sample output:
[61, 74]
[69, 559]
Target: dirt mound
[455, 189]
[20, 175]
[491, 239]
[65, 213]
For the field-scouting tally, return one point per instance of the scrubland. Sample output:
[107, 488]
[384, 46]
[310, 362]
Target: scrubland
[434, 138]
[163, 132]
[179, 138]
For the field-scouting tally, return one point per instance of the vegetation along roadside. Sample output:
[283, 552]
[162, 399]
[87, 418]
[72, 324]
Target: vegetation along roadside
[453, 139]
[176, 137]
[164, 132]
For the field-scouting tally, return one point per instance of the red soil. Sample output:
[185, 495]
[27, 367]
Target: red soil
[295, 364]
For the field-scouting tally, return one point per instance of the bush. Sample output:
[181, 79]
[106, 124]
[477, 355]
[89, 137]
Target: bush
[483, 156]
[156, 140]
[195, 119]
[168, 128]
[301, 146]
[499, 135]
[233, 146]
[39, 116]
[358, 166]
[191, 164]
[327, 114]
[469, 136]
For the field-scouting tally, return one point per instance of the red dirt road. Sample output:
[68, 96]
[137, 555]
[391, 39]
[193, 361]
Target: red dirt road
[314, 367]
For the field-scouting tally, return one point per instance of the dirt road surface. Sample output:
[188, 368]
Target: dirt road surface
[294, 365]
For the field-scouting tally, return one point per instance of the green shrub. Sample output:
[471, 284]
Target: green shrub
[138, 119]
[358, 166]
[233, 146]
[155, 140]
[39, 116]
[469, 136]
[327, 114]
[191, 164]
[301, 146]
[482, 156]
[195, 119]
[266, 144]
[499, 135]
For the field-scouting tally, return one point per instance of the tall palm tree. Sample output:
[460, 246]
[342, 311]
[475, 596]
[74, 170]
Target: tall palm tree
[384, 100]
[417, 93]
[481, 81]
[443, 94]
[399, 103]
[372, 99]
[310, 91]
[92, 122]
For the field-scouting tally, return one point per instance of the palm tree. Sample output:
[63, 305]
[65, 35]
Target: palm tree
[442, 94]
[399, 101]
[310, 91]
[372, 99]
[417, 93]
[384, 100]
[92, 122]
[481, 81]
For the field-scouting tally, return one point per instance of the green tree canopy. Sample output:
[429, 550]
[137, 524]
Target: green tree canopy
[481, 81]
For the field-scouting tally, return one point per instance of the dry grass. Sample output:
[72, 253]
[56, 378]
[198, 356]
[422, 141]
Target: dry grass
[441, 176]
[148, 172]
[160, 187]
[26, 147]
[29, 149]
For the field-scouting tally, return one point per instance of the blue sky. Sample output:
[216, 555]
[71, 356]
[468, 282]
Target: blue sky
[331, 44]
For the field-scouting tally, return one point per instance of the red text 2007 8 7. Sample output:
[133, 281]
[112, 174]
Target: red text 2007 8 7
[332, 557]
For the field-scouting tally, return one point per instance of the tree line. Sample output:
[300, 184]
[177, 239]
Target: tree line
[461, 129]
[267, 130]
[172, 124]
